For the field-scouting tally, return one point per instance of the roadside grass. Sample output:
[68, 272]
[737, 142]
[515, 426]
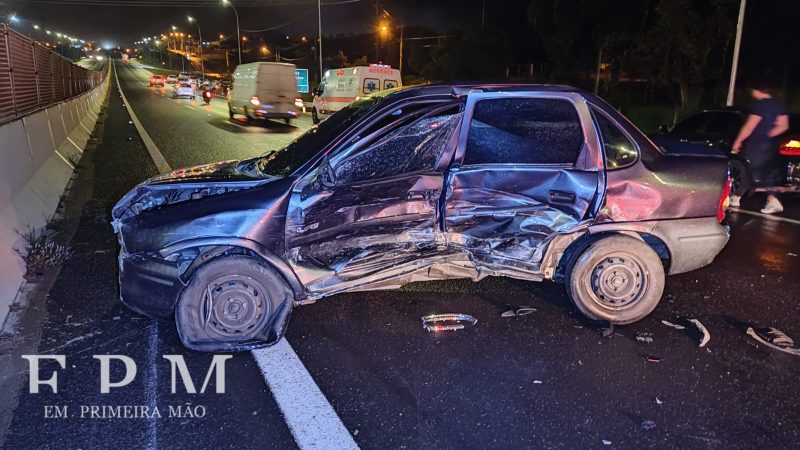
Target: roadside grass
[42, 252]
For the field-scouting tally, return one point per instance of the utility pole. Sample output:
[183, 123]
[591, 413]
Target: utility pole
[483, 16]
[400, 68]
[736, 49]
[319, 37]
[599, 64]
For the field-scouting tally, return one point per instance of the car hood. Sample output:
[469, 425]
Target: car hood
[192, 183]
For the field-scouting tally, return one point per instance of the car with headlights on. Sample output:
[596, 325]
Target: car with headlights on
[422, 183]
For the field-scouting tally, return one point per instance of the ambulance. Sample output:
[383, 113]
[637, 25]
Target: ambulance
[342, 86]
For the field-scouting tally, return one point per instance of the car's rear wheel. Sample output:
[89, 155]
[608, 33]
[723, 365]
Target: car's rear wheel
[233, 303]
[314, 116]
[288, 121]
[617, 278]
[247, 115]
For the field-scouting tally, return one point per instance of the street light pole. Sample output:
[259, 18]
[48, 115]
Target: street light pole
[200, 36]
[238, 36]
[736, 49]
[319, 35]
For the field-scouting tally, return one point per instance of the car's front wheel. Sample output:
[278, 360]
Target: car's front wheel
[314, 116]
[617, 278]
[233, 303]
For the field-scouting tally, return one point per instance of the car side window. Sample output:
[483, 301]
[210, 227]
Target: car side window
[620, 151]
[411, 148]
[524, 131]
[725, 123]
[691, 124]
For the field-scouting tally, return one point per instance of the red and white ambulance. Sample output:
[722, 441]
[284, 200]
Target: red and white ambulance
[342, 86]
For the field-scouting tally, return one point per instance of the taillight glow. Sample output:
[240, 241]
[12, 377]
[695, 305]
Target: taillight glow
[298, 102]
[255, 101]
[790, 148]
[724, 200]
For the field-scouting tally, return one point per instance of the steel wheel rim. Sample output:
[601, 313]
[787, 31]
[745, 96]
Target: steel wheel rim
[617, 281]
[235, 306]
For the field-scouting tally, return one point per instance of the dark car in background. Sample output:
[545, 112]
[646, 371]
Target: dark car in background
[712, 132]
[424, 183]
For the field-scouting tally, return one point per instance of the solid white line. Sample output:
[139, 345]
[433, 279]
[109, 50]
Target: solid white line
[155, 154]
[236, 125]
[190, 107]
[310, 417]
[764, 216]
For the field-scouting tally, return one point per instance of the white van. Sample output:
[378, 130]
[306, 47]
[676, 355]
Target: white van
[264, 90]
[342, 86]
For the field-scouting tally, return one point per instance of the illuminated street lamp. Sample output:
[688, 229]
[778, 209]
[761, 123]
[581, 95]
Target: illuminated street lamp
[238, 37]
[200, 36]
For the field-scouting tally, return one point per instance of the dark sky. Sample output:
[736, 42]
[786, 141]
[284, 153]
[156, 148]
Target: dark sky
[767, 39]
[110, 21]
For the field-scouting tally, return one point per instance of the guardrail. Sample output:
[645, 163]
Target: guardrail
[33, 77]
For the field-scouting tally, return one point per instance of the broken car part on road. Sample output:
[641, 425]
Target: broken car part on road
[447, 322]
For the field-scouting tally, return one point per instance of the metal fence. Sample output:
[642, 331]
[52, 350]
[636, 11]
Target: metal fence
[33, 77]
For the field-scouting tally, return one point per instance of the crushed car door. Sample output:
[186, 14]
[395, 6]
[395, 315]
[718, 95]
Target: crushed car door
[370, 212]
[526, 168]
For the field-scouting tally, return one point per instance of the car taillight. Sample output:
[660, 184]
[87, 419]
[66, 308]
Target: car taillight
[298, 102]
[790, 147]
[724, 200]
[255, 100]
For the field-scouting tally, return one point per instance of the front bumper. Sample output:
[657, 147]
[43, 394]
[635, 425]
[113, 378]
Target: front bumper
[149, 285]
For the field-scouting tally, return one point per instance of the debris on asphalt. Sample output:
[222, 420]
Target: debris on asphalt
[673, 325]
[115, 318]
[774, 338]
[646, 338]
[518, 311]
[659, 401]
[447, 322]
[608, 331]
[693, 327]
[648, 424]
[537, 381]
[791, 254]
[706, 334]
[651, 358]
[606, 442]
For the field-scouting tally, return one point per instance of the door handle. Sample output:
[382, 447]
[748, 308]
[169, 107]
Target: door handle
[561, 197]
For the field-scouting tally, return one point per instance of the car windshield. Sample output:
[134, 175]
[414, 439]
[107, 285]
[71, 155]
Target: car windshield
[285, 161]
[186, 85]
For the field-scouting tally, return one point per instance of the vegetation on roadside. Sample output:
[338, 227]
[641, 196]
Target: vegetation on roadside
[42, 251]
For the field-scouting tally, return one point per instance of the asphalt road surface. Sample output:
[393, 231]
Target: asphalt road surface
[550, 379]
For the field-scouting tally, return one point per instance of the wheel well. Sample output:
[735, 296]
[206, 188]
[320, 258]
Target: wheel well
[191, 259]
[573, 251]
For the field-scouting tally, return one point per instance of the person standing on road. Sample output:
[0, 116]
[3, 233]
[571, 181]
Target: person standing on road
[759, 139]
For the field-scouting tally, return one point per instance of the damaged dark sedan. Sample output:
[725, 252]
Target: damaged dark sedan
[424, 183]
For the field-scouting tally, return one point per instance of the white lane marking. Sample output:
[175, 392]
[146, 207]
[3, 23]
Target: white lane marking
[151, 385]
[764, 216]
[155, 154]
[236, 125]
[311, 419]
[190, 107]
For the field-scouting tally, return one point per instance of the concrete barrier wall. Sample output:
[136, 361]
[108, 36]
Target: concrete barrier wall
[38, 154]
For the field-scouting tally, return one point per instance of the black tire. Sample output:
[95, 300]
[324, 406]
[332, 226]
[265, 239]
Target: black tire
[740, 177]
[314, 116]
[617, 278]
[288, 121]
[230, 111]
[247, 115]
[233, 303]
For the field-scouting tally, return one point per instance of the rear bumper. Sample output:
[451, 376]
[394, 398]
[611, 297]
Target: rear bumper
[149, 285]
[692, 243]
[268, 114]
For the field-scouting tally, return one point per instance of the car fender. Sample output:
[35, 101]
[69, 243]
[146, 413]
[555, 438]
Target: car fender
[226, 241]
